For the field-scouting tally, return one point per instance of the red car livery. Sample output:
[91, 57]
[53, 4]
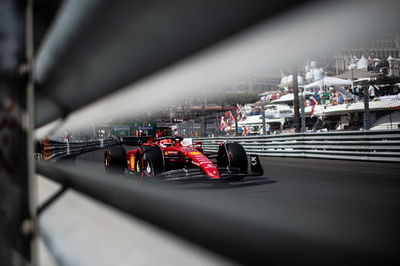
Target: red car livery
[166, 157]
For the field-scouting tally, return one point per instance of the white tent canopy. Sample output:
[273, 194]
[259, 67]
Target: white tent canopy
[289, 97]
[362, 63]
[328, 81]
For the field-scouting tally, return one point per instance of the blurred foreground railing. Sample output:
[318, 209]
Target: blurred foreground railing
[244, 239]
[350, 145]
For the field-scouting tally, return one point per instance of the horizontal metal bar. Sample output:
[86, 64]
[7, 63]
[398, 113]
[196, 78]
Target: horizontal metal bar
[300, 137]
[379, 156]
[217, 62]
[332, 147]
[359, 153]
[316, 147]
[357, 158]
[111, 44]
[213, 225]
[328, 141]
[356, 146]
[369, 144]
[327, 156]
[303, 151]
[330, 135]
[379, 133]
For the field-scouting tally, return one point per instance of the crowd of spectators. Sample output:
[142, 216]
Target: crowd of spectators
[335, 96]
[359, 93]
[332, 97]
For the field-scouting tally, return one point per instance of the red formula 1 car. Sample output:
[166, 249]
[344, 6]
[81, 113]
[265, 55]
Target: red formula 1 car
[166, 157]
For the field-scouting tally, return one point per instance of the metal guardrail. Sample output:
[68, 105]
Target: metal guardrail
[54, 150]
[350, 145]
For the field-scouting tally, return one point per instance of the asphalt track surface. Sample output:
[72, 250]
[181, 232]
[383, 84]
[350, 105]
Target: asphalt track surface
[347, 202]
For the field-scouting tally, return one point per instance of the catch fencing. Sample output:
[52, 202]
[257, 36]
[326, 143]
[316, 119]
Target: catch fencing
[349, 145]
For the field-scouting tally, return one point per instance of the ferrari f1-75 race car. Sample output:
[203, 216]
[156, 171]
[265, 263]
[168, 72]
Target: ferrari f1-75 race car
[167, 157]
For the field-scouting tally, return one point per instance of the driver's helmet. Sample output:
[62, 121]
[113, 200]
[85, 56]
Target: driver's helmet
[166, 142]
[159, 134]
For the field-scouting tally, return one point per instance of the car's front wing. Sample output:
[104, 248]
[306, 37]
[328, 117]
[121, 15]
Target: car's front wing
[226, 173]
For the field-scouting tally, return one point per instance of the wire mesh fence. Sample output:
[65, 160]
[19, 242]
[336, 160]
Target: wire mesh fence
[208, 126]
[365, 105]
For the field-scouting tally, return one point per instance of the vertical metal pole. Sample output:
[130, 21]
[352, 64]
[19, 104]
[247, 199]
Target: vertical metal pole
[203, 124]
[367, 115]
[205, 127]
[296, 103]
[16, 149]
[29, 226]
[218, 121]
[302, 114]
[236, 122]
[263, 120]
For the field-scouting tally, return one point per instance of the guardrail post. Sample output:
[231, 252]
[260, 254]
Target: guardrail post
[16, 143]
[302, 113]
[296, 102]
[263, 120]
[367, 114]
[68, 148]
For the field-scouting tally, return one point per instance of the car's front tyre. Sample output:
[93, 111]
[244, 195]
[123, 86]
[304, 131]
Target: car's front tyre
[149, 161]
[233, 155]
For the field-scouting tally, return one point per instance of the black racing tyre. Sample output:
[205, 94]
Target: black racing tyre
[234, 155]
[149, 161]
[115, 160]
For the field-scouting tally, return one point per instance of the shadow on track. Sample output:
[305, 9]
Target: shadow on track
[217, 184]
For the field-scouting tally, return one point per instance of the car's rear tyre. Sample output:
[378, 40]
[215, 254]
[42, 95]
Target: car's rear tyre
[115, 160]
[149, 161]
[233, 155]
